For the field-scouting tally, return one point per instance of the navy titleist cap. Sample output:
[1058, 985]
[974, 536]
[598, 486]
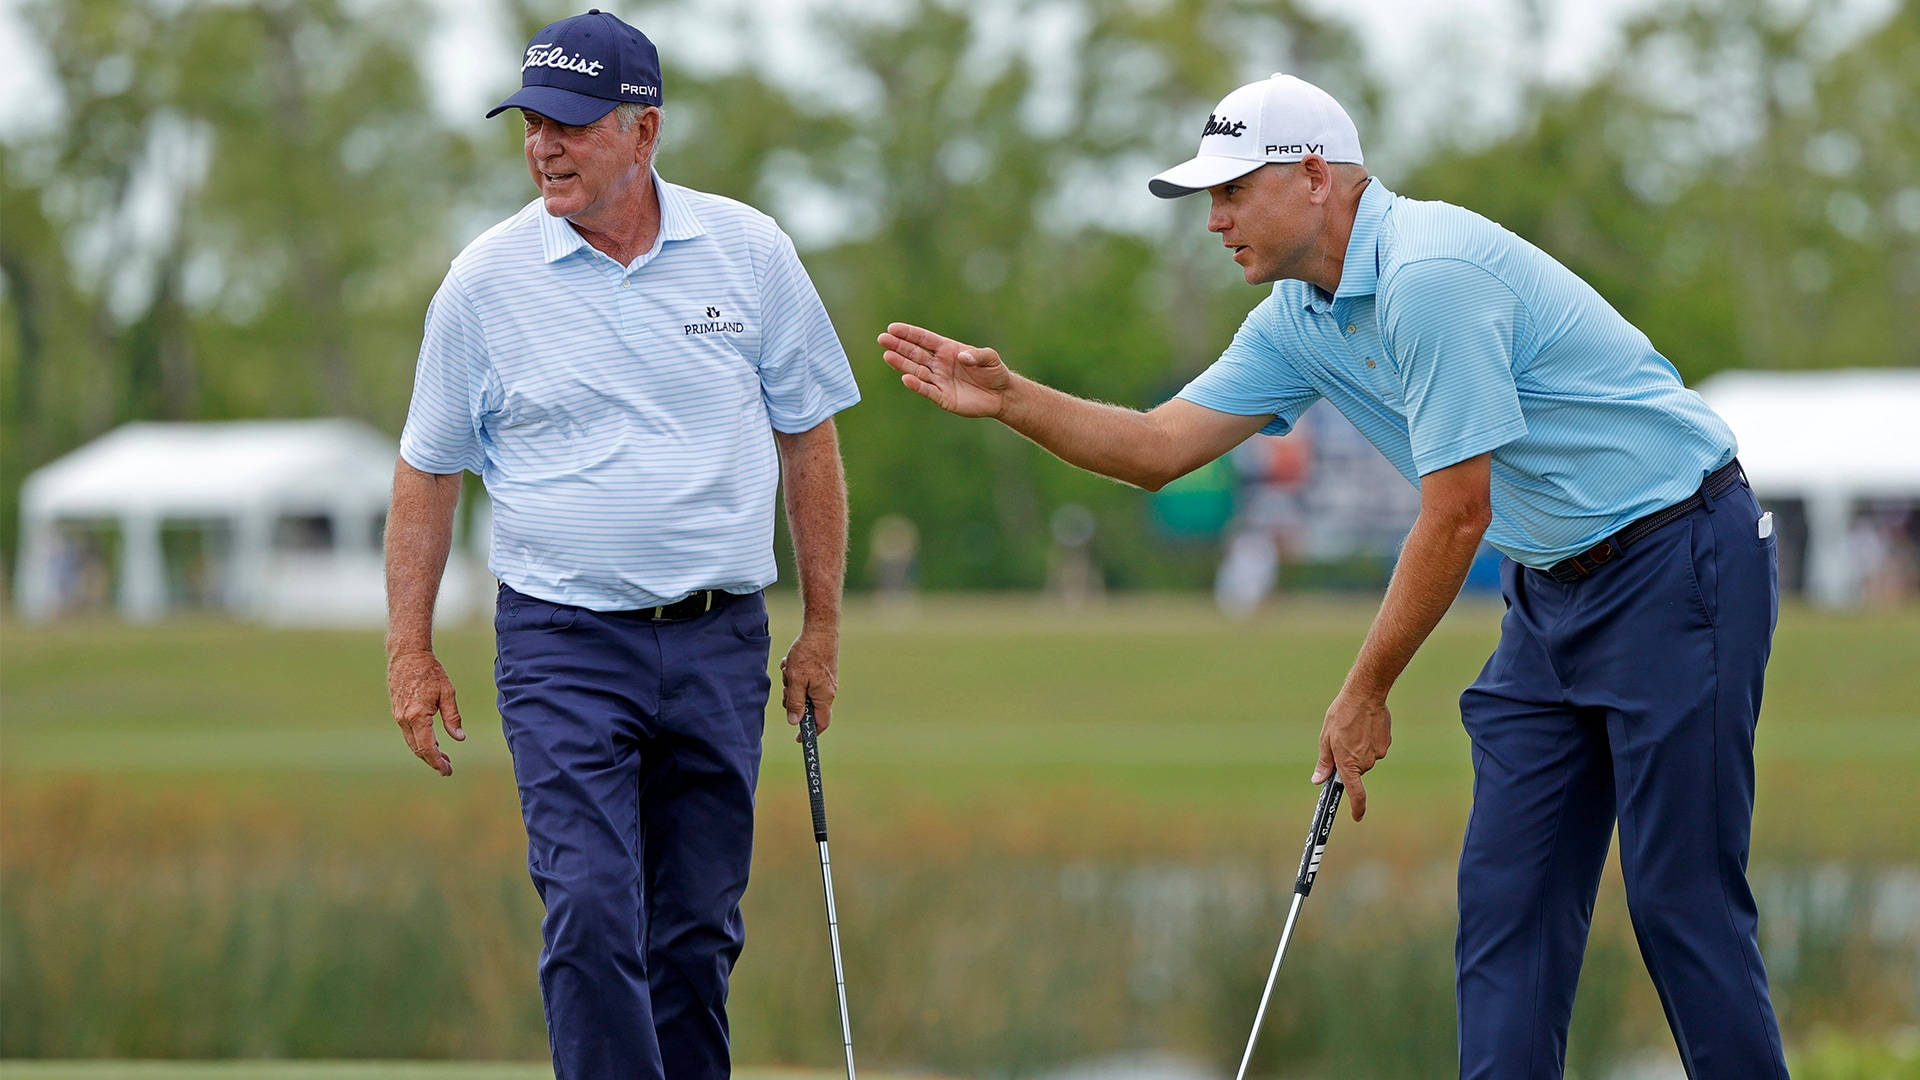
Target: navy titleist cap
[578, 69]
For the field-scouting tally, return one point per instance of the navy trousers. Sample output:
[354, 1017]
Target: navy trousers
[636, 747]
[1629, 695]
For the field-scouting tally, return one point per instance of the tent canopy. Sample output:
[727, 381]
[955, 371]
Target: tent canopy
[215, 470]
[1830, 439]
[1849, 433]
[244, 476]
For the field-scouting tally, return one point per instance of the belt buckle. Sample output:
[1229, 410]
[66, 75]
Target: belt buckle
[1602, 553]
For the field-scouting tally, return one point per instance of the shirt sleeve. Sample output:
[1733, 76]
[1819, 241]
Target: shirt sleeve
[1253, 377]
[804, 374]
[1450, 327]
[442, 433]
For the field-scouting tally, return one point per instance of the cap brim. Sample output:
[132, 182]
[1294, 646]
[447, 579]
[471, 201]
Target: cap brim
[557, 104]
[1199, 174]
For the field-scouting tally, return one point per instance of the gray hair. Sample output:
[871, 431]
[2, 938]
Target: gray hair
[628, 113]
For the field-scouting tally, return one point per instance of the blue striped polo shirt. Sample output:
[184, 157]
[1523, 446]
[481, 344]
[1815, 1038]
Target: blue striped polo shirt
[1449, 337]
[623, 416]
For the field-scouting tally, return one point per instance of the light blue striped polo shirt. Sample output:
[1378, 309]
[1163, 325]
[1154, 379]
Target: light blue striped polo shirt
[623, 417]
[1450, 337]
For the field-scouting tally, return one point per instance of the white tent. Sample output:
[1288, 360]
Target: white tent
[1832, 439]
[287, 516]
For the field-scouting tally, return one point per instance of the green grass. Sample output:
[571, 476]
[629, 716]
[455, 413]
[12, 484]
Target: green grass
[1155, 704]
[1058, 834]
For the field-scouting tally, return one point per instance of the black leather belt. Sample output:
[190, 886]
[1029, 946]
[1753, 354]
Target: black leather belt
[697, 604]
[1585, 563]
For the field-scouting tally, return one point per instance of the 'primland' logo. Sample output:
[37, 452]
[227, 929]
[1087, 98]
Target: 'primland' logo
[713, 326]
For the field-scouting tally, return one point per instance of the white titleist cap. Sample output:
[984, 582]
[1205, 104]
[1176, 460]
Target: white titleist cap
[1279, 118]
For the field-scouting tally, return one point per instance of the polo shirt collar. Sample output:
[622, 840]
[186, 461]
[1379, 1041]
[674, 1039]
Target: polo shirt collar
[1360, 273]
[678, 221]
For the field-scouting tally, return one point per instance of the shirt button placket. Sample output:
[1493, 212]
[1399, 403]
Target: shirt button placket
[629, 301]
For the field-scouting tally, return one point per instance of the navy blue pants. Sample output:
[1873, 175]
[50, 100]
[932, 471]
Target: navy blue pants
[636, 747]
[1631, 694]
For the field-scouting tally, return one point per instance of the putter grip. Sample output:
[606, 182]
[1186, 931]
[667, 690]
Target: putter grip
[1323, 815]
[810, 746]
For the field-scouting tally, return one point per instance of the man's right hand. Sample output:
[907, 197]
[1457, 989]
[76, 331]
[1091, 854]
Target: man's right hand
[418, 688]
[961, 379]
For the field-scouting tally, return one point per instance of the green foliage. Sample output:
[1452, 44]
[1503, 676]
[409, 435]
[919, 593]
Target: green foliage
[242, 210]
[977, 179]
[1745, 198]
[1058, 834]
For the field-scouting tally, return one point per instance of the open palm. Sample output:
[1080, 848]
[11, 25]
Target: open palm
[961, 379]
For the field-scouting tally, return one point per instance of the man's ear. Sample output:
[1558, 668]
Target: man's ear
[1319, 178]
[648, 128]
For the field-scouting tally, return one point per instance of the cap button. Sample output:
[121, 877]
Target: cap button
[593, 11]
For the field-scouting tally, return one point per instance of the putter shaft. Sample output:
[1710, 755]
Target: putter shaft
[1292, 915]
[1323, 815]
[810, 748]
[839, 973]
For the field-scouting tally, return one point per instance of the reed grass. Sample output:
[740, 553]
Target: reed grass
[1056, 837]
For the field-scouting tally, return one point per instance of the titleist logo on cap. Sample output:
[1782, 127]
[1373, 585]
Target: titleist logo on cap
[1219, 125]
[547, 54]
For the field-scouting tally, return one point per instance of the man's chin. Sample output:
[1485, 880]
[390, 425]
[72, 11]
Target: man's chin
[560, 205]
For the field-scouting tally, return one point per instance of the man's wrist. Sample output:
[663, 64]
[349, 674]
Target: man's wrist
[1013, 399]
[1367, 688]
[821, 627]
[399, 647]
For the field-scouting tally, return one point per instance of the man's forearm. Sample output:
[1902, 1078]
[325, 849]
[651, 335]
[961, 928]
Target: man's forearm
[815, 487]
[1433, 565]
[1111, 440]
[419, 535]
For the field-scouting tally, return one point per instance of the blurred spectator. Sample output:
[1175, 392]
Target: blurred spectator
[1882, 549]
[893, 558]
[1071, 573]
[1269, 525]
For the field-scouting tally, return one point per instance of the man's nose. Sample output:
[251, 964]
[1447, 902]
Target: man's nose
[1218, 221]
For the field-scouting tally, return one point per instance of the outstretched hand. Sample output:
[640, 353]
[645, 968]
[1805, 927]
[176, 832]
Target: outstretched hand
[963, 379]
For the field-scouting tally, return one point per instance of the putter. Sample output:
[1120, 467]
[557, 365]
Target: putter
[1323, 815]
[810, 746]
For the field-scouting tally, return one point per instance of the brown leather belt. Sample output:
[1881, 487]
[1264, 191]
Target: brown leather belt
[1579, 566]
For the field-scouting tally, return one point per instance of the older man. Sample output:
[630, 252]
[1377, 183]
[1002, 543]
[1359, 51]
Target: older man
[1639, 578]
[630, 366]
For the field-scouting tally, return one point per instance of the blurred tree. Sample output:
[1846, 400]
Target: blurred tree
[1739, 182]
[239, 211]
[989, 181]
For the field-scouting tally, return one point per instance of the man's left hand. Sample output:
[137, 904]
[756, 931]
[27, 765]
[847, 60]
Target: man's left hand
[1356, 734]
[810, 670]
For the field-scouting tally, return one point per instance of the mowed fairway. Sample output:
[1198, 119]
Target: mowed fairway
[1158, 704]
